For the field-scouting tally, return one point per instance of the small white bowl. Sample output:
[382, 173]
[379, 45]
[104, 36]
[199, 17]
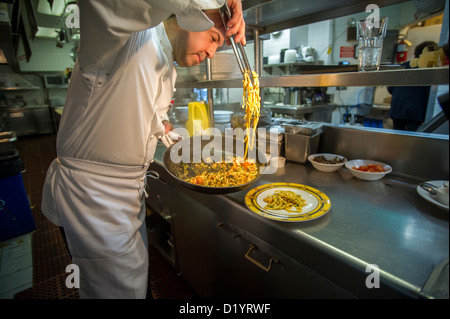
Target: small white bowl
[278, 162]
[368, 176]
[327, 167]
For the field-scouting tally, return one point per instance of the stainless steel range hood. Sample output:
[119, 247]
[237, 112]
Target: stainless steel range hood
[275, 15]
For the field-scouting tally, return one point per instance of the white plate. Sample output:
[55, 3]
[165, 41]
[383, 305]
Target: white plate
[317, 203]
[431, 198]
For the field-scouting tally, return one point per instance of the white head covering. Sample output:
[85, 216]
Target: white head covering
[196, 20]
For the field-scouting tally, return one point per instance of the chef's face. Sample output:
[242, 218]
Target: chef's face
[191, 48]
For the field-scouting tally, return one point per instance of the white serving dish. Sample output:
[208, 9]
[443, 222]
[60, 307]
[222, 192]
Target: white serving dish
[368, 176]
[327, 167]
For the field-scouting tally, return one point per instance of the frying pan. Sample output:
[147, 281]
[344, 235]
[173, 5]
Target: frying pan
[197, 145]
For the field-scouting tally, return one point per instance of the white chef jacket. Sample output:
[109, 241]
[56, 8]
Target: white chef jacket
[121, 86]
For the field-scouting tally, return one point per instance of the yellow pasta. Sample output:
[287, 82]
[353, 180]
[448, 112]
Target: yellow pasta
[220, 174]
[251, 104]
[287, 200]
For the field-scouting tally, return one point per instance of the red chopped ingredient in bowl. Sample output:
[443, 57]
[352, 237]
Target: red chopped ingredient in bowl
[371, 168]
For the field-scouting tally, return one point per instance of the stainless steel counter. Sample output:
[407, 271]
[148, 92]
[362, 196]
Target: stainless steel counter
[369, 223]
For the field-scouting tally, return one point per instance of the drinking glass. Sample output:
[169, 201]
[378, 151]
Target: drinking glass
[370, 43]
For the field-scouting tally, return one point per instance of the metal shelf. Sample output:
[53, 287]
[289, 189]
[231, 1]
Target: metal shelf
[273, 16]
[410, 77]
[18, 88]
[25, 107]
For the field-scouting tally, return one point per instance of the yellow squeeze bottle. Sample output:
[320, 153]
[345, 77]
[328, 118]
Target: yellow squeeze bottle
[198, 120]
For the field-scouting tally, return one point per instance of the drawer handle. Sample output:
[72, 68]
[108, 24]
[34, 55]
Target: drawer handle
[257, 263]
[227, 231]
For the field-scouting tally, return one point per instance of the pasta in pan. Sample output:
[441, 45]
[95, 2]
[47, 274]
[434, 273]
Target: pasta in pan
[221, 174]
[287, 200]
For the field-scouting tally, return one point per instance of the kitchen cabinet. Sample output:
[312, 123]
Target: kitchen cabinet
[222, 260]
[209, 248]
[194, 229]
[286, 277]
[159, 219]
[231, 247]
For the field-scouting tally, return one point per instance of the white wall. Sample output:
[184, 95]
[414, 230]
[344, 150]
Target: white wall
[320, 37]
[275, 44]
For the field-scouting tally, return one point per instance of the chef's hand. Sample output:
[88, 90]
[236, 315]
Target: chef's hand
[167, 126]
[236, 25]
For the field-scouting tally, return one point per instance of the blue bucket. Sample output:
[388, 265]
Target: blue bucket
[16, 217]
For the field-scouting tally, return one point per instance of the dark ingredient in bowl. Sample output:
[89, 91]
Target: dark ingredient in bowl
[323, 160]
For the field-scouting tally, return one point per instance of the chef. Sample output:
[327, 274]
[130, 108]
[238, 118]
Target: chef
[121, 86]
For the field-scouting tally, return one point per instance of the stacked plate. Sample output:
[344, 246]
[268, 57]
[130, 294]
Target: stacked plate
[222, 117]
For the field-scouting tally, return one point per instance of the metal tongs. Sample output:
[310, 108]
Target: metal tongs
[238, 49]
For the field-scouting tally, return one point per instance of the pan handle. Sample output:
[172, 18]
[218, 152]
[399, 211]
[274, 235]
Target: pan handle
[152, 174]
